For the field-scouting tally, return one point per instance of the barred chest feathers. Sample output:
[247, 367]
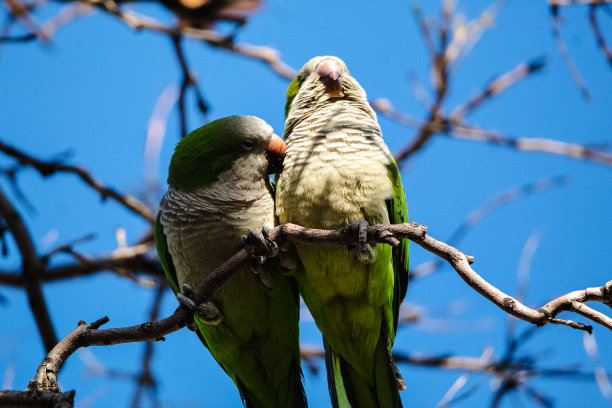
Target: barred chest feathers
[336, 164]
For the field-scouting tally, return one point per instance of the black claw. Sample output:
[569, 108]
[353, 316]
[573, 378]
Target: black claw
[185, 301]
[364, 251]
[206, 310]
[362, 235]
[264, 247]
[187, 290]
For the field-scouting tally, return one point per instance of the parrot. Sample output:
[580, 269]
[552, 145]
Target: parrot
[218, 190]
[338, 173]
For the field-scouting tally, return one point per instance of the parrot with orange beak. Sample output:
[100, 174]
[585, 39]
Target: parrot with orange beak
[218, 192]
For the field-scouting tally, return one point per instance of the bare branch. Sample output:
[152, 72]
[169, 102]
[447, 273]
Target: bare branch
[52, 167]
[467, 132]
[601, 41]
[567, 59]
[34, 398]
[189, 81]
[88, 335]
[496, 86]
[22, 13]
[32, 267]
[135, 262]
[577, 2]
[269, 56]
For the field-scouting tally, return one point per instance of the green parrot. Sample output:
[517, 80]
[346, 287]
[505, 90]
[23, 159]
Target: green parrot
[218, 190]
[338, 172]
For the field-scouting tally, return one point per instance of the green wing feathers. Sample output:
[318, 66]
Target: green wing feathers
[398, 214]
[164, 256]
[348, 389]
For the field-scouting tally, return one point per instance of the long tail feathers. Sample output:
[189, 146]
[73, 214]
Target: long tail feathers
[347, 389]
[296, 397]
[293, 397]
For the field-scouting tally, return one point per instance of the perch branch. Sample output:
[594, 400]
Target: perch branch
[89, 335]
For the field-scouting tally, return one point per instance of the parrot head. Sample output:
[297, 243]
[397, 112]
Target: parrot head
[244, 145]
[322, 79]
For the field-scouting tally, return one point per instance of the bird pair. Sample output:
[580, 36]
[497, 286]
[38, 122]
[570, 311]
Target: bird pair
[337, 172]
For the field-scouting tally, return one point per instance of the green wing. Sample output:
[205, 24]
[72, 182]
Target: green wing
[164, 256]
[398, 214]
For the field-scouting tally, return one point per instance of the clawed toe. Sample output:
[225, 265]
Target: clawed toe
[207, 311]
[264, 247]
[365, 253]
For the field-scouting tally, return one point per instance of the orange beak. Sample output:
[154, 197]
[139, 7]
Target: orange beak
[277, 145]
[275, 153]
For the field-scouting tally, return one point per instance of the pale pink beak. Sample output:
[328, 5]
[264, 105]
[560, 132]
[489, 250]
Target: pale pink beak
[330, 73]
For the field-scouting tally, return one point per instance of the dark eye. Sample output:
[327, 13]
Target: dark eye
[248, 144]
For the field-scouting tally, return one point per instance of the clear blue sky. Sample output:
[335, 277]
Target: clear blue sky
[92, 93]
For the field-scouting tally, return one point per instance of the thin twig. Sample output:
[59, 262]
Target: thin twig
[189, 81]
[464, 131]
[52, 167]
[599, 37]
[269, 56]
[567, 58]
[135, 262]
[496, 86]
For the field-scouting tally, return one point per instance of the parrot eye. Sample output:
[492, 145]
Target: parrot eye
[247, 144]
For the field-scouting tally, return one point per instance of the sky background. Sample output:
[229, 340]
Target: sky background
[90, 94]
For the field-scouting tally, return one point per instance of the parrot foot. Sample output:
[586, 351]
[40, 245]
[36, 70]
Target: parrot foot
[206, 310]
[365, 252]
[264, 247]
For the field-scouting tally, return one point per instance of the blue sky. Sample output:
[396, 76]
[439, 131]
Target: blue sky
[91, 94]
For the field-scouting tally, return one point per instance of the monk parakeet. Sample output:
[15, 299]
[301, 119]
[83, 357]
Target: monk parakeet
[219, 189]
[338, 172]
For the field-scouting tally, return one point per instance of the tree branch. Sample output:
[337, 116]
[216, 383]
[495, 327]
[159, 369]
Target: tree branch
[52, 167]
[467, 132]
[267, 55]
[29, 398]
[84, 267]
[89, 335]
[32, 267]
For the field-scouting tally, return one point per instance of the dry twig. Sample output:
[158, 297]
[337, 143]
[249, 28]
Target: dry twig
[567, 58]
[445, 126]
[51, 167]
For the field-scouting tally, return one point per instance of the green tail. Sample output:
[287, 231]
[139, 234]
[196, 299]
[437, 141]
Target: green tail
[347, 389]
[291, 395]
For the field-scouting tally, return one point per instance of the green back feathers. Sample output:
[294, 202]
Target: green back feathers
[292, 91]
[398, 214]
[164, 255]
